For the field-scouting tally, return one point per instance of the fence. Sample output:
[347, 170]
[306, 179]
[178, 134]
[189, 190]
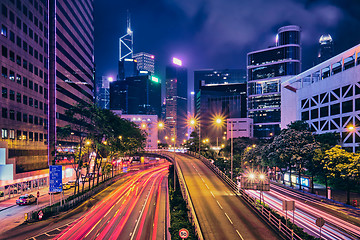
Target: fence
[49, 210]
[264, 213]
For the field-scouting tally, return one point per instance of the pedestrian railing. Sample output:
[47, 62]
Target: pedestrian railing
[56, 207]
[263, 212]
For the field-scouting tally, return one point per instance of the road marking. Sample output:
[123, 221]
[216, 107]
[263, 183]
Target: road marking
[228, 218]
[207, 186]
[239, 235]
[219, 204]
[212, 194]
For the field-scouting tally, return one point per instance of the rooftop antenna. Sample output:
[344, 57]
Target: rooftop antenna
[126, 41]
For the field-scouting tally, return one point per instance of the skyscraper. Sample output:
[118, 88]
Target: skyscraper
[219, 92]
[127, 65]
[71, 59]
[145, 62]
[24, 85]
[47, 65]
[326, 48]
[102, 96]
[267, 68]
[176, 100]
[136, 95]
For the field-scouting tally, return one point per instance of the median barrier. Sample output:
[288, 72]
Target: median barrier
[184, 192]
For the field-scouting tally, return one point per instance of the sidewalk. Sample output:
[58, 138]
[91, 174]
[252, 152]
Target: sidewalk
[8, 203]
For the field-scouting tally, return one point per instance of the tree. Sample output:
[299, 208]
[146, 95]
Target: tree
[342, 164]
[292, 147]
[108, 135]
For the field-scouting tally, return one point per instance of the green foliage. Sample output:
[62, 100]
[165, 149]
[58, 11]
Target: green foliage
[299, 126]
[178, 210]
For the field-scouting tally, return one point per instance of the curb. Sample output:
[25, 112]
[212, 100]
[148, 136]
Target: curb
[7, 208]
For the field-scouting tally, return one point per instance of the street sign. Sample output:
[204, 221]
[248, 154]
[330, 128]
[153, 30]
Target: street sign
[320, 222]
[55, 178]
[288, 205]
[184, 233]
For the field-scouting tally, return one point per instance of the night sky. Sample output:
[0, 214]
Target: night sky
[218, 34]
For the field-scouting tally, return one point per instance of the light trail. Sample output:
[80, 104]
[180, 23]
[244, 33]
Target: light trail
[305, 216]
[100, 223]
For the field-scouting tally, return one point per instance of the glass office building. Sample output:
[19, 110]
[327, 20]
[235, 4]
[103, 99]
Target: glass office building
[266, 69]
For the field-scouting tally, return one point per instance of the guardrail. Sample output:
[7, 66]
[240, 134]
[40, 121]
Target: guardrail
[184, 192]
[260, 209]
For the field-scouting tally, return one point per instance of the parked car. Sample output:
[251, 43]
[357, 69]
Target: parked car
[26, 199]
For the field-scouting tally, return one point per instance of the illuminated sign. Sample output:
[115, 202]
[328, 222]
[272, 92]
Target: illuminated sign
[177, 61]
[154, 79]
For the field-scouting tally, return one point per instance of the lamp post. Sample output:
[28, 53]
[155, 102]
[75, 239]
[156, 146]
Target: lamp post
[193, 122]
[173, 140]
[231, 151]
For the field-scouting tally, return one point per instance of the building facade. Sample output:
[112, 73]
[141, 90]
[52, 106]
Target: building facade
[220, 100]
[136, 95]
[327, 96]
[47, 65]
[102, 92]
[24, 85]
[71, 60]
[176, 102]
[145, 62]
[265, 70]
[241, 127]
[147, 123]
[218, 76]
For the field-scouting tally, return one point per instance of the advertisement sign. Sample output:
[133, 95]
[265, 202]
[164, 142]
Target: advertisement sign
[55, 178]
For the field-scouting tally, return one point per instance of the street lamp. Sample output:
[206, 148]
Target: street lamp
[193, 122]
[173, 140]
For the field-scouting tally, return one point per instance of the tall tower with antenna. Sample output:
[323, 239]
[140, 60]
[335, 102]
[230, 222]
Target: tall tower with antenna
[126, 41]
[127, 64]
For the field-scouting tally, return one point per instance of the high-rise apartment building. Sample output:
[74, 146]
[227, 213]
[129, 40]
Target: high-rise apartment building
[267, 68]
[47, 65]
[24, 86]
[145, 62]
[176, 100]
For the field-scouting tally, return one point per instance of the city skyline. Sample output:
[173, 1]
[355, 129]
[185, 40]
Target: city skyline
[194, 32]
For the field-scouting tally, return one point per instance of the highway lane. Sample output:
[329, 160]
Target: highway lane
[222, 215]
[131, 212]
[306, 214]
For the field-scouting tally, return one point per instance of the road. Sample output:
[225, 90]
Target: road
[12, 215]
[135, 210]
[222, 215]
[309, 209]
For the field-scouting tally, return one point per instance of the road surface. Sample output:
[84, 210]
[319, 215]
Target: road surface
[221, 214]
[309, 209]
[132, 209]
